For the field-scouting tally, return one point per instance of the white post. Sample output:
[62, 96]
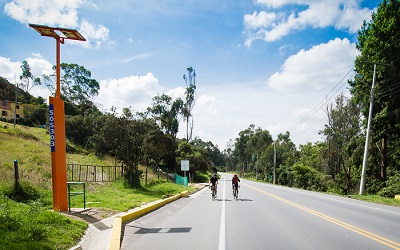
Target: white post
[274, 180]
[365, 161]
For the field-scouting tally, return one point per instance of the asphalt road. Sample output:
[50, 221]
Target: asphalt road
[265, 217]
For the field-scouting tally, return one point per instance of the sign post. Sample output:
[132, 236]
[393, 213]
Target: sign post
[184, 167]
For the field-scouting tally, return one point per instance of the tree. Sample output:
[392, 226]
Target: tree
[165, 112]
[77, 86]
[342, 133]
[27, 78]
[198, 160]
[378, 43]
[190, 100]
[258, 142]
[157, 147]
[241, 151]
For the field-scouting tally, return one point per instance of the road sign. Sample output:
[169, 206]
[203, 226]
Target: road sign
[185, 165]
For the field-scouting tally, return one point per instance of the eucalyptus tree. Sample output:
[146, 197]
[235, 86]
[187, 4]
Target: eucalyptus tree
[28, 80]
[378, 43]
[166, 112]
[286, 156]
[77, 85]
[258, 142]
[342, 135]
[187, 108]
[242, 151]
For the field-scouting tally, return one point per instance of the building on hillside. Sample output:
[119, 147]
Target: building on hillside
[7, 110]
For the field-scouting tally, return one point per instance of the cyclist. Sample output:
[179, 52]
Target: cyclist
[235, 182]
[213, 183]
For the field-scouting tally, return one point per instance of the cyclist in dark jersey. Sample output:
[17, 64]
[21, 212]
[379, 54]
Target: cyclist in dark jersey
[213, 183]
[235, 182]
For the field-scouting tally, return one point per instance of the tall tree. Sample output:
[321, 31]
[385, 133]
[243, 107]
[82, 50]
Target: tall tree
[190, 101]
[165, 111]
[28, 79]
[342, 133]
[378, 42]
[242, 151]
[77, 85]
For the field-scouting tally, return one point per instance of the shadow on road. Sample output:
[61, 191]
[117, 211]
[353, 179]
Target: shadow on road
[143, 230]
[244, 199]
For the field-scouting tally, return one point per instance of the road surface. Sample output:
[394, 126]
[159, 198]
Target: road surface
[265, 217]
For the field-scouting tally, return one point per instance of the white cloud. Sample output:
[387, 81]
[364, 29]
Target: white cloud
[269, 26]
[319, 68]
[176, 93]
[95, 35]
[39, 66]
[10, 70]
[138, 57]
[134, 91]
[259, 20]
[56, 12]
[61, 13]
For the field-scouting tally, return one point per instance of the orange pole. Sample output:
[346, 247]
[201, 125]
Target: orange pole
[58, 89]
[58, 145]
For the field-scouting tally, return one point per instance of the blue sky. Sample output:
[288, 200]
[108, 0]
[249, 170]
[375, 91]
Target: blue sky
[272, 63]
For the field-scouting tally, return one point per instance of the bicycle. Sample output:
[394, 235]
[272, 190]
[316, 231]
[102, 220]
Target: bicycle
[213, 192]
[235, 192]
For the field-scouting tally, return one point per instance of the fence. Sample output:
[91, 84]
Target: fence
[181, 180]
[91, 173]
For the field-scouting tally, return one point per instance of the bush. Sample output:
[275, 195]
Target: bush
[307, 177]
[25, 193]
[392, 186]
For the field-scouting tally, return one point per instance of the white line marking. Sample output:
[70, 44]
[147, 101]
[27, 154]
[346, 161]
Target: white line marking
[221, 245]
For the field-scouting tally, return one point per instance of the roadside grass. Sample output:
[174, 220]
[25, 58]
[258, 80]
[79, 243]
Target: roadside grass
[377, 199]
[116, 196]
[26, 222]
[26, 217]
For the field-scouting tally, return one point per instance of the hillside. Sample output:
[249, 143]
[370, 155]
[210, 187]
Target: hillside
[31, 147]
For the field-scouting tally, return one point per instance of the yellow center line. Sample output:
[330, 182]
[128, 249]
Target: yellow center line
[372, 236]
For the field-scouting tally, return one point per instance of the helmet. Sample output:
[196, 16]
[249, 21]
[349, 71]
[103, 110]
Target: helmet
[235, 175]
[214, 174]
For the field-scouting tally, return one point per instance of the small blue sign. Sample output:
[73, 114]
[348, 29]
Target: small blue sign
[51, 127]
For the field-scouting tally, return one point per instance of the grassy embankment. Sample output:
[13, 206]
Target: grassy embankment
[26, 219]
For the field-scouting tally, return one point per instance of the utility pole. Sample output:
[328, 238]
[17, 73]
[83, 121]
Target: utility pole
[274, 180]
[365, 160]
[366, 147]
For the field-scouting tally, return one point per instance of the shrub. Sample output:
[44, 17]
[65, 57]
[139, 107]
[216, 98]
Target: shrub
[392, 186]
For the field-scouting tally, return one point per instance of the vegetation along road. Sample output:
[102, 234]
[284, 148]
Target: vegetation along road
[266, 217]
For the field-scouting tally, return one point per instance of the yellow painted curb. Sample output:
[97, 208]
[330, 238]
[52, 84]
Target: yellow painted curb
[115, 241]
[397, 197]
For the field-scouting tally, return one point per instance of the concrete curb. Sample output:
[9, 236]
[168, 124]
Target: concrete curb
[115, 240]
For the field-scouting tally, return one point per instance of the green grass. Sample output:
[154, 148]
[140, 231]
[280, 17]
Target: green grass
[26, 222]
[26, 217]
[116, 196]
[377, 199]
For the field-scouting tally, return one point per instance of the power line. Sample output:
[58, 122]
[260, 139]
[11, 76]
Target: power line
[323, 101]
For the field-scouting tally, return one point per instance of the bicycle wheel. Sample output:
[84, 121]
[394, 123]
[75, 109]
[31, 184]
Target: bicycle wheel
[213, 194]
